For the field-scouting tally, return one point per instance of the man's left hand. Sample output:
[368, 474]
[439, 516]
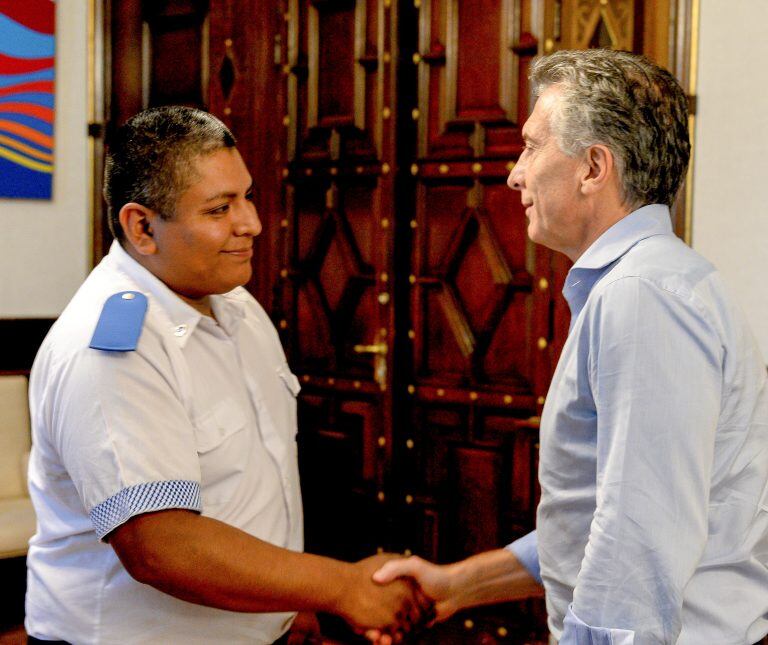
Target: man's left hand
[305, 629]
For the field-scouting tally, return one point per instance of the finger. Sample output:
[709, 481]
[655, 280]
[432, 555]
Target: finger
[419, 612]
[377, 637]
[403, 618]
[396, 569]
[426, 605]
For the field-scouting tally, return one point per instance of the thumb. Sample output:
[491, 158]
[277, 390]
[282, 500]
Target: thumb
[406, 567]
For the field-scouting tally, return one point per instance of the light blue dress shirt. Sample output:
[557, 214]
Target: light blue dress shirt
[653, 521]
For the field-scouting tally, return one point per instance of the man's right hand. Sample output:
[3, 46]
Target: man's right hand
[394, 608]
[435, 581]
[483, 579]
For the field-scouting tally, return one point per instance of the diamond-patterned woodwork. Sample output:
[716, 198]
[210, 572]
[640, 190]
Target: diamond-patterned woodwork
[334, 277]
[477, 286]
[473, 294]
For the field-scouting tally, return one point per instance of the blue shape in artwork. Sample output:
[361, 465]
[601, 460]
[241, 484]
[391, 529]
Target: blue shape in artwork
[30, 121]
[19, 41]
[7, 80]
[37, 98]
[21, 182]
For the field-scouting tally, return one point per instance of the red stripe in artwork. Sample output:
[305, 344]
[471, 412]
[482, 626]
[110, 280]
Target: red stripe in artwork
[33, 14]
[34, 86]
[10, 65]
[29, 109]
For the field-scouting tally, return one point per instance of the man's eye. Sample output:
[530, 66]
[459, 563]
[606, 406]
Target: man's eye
[219, 210]
[249, 195]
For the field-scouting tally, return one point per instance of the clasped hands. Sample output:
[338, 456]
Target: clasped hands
[397, 596]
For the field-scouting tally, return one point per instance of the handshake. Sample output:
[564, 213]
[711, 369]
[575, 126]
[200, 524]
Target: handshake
[391, 596]
[386, 597]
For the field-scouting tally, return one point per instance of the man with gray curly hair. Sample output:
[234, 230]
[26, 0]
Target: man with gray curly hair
[653, 520]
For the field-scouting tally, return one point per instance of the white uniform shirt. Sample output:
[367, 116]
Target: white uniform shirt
[201, 416]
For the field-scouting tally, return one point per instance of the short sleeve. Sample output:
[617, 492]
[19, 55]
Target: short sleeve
[123, 434]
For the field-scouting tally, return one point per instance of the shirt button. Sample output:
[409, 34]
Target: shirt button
[180, 330]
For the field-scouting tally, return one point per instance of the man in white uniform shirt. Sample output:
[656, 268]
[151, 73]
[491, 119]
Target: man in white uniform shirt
[163, 468]
[653, 521]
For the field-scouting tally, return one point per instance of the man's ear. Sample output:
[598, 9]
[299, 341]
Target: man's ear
[600, 169]
[137, 221]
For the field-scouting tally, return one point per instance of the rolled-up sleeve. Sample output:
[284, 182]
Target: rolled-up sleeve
[525, 549]
[656, 377]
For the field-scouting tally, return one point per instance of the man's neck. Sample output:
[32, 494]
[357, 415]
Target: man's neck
[605, 215]
[203, 304]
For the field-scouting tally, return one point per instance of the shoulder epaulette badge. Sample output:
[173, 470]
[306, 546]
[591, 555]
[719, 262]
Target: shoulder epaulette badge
[120, 323]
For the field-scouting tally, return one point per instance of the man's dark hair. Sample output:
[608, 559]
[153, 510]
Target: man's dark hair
[150, 158]
[629, 104]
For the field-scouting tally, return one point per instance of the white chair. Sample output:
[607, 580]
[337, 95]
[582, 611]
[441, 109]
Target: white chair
[17, 516]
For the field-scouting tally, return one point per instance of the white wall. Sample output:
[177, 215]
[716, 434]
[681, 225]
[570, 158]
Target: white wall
[45, 246]
[730, 184]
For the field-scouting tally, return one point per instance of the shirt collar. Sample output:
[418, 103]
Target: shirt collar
[624, 234]
[179, 317]
[609, 248]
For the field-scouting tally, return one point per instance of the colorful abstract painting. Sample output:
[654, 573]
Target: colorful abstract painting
[26, 98]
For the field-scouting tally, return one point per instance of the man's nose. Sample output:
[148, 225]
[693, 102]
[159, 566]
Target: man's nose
[248, 221]
[516, 179]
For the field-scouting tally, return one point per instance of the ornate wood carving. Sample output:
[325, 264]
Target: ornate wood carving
[468, 70]
[603, 23]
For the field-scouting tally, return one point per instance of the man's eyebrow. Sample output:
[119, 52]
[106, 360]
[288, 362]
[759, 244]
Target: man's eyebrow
[226, 194]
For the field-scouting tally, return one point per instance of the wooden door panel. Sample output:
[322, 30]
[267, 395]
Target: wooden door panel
[335, 49]
[334, 297]
[340, 470]
[175, 29]
[482, 318]
[474, 306]
[332, 279]
[468, 76]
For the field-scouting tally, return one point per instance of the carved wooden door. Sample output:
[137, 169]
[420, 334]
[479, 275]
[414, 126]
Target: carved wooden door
[483, 326]
[334, 298]
[418, 316]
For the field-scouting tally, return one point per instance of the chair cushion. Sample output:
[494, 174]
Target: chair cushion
[14, 435]
[17, 525]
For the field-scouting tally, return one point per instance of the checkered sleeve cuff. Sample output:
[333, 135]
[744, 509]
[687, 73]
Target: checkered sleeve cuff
[143, 498]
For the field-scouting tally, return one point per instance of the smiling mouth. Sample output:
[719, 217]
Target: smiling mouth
[247, 252]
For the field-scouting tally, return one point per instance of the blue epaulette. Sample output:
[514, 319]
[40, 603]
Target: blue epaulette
[120, 323]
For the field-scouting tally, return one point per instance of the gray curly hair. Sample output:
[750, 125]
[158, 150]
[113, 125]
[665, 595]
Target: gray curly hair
[627, 103]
